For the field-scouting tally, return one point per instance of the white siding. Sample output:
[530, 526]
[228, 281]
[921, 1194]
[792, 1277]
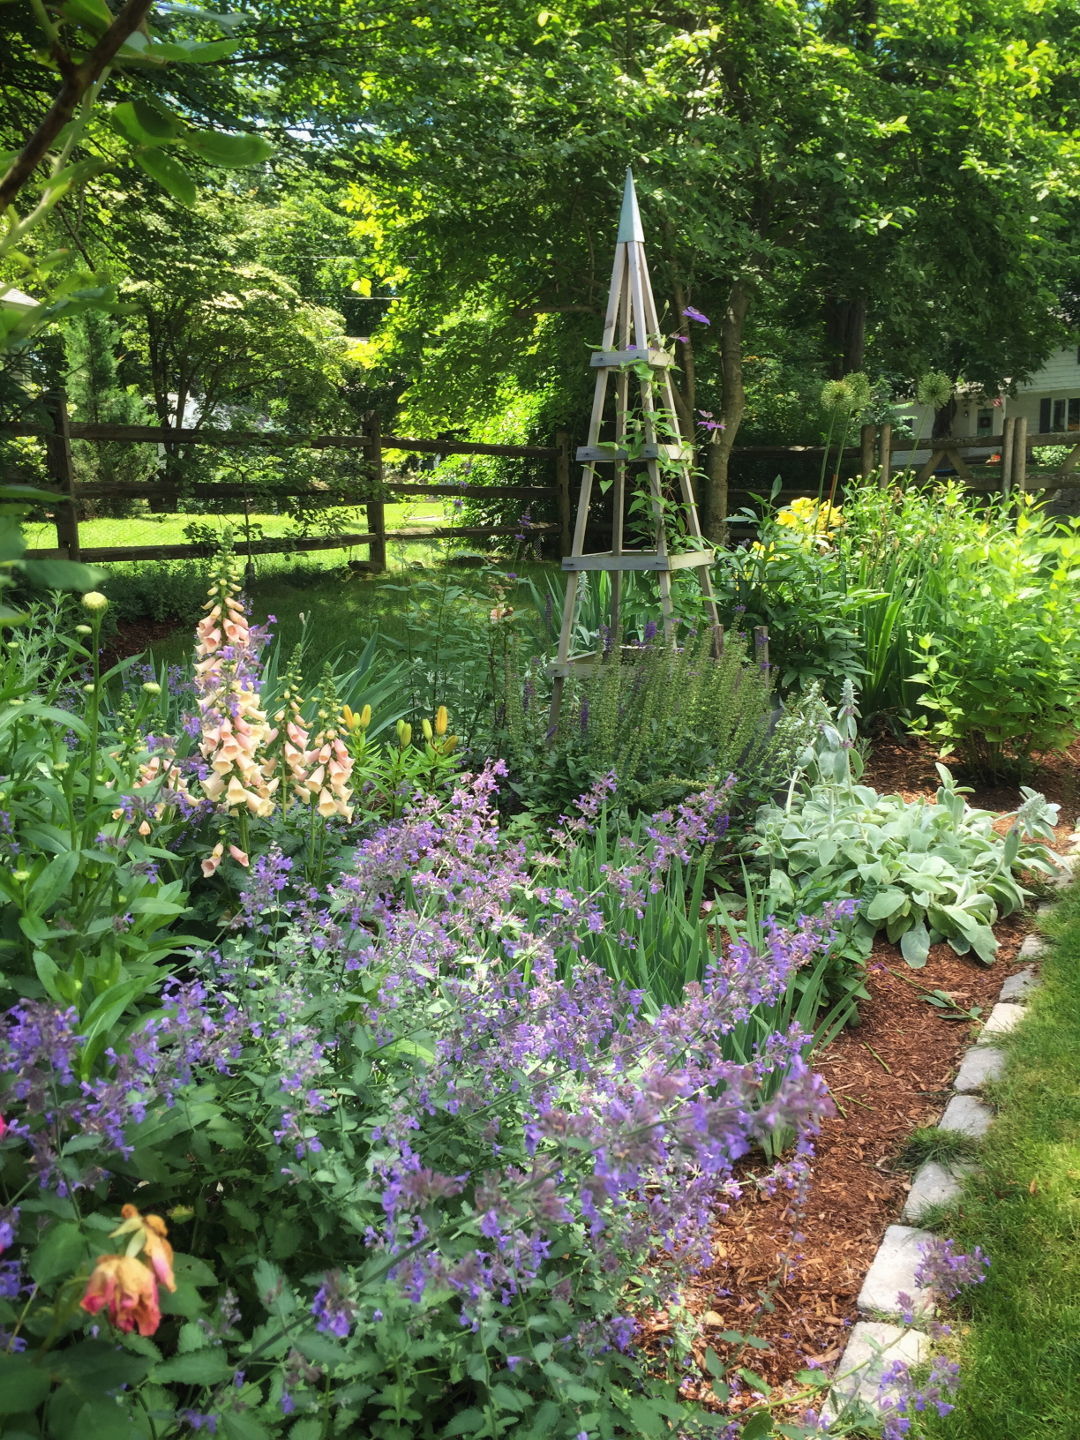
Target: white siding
[1060, 374]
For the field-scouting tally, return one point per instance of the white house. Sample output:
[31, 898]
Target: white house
[1049, 402]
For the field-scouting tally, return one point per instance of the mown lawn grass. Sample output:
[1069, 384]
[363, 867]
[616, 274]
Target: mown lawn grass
[1020, 1347]
[170, 529]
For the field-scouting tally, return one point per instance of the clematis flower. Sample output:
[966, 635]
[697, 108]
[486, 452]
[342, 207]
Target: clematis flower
[126, 1290]
[691, 314]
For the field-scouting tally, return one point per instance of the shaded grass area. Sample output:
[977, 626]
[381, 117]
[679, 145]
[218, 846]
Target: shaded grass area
[1020, 1357]
[413, 609]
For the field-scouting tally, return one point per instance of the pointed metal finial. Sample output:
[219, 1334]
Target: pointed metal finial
[629, 216]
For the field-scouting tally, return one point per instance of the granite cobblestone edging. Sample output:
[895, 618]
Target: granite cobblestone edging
[880, 1339]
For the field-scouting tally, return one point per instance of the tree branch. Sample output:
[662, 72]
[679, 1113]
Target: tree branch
[78, 79]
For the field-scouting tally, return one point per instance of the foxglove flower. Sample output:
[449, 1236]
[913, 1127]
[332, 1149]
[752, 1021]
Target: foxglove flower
[234, 733]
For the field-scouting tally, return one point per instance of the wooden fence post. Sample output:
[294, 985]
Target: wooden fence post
[62, 473]
[885, 455]
[1007, 438]
[562, 489]
[376, 509]
[866, 450]
[1020, 454]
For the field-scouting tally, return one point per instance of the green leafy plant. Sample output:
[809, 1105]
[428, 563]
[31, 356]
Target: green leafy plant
[1002, 672]
[921, 872]
[768, 584]
[664, 720]
[88, 906]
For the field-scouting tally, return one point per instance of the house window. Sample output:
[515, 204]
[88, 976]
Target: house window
[984, 422]
[1044, 417]
[1065, 414]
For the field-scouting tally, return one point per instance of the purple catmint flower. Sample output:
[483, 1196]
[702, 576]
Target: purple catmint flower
[196, 1421]
[261, 897]
[947, 1271]
[9, 1224]
[334, 1312]
[11, 1279]
[898, 1395]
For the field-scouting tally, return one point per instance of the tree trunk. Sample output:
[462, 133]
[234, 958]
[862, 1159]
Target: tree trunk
[943, 420]
[845, 335]
[732, 408]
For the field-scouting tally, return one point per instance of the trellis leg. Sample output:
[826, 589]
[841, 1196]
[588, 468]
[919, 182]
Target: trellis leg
[618, 506]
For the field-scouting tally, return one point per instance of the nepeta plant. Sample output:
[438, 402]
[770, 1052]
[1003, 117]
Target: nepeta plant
[419, 1176]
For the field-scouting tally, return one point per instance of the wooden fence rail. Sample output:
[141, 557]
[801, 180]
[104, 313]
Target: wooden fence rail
[874, 453]
[372, 492]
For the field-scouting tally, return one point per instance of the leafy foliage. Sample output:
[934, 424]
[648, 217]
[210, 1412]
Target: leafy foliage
[921, 872]
[1002, 672]
[664, 720]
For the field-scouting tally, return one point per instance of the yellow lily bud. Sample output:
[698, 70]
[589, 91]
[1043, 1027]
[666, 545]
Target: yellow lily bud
[404, 734]
[425, 725]
[449, 744]
[365, 717]
[442, 720]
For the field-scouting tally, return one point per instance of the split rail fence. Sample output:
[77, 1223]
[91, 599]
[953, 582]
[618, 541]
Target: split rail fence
[372, 491]
[1010, 472]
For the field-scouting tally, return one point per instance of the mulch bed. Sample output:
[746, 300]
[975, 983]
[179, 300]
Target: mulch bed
[889, 1075]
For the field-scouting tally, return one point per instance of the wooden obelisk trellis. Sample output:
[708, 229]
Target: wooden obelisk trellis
[657, 451]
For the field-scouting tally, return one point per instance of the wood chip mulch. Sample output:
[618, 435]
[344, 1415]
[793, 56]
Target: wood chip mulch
[790, 1275]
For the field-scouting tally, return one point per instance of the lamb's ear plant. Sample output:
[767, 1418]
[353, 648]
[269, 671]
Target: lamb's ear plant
[922, 873]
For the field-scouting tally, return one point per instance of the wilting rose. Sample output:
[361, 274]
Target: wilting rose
[151, 1230]
[126, 1290]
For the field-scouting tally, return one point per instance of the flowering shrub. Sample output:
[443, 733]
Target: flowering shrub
[420, 1183]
